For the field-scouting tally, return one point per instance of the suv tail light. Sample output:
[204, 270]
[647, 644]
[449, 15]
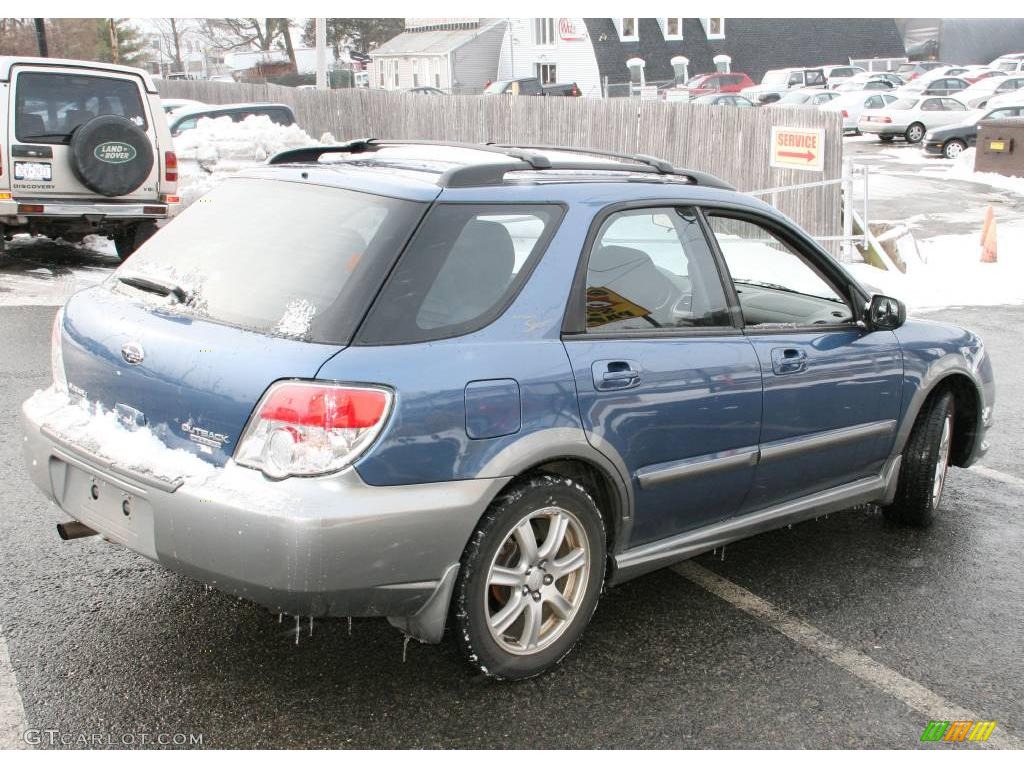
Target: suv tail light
[845, 114]
[303, 428]
[170, 166]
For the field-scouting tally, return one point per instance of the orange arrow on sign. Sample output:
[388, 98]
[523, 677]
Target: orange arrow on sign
[808, 155]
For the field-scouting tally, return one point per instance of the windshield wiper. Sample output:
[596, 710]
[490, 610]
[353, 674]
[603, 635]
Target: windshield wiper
[159, 287]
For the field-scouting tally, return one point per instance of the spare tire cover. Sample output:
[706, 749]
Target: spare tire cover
[111, 155]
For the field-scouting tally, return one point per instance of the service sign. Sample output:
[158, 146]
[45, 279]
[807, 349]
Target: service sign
[801, 148]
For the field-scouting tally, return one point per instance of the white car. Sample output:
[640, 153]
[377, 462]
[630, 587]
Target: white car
[1008, 99]
[851, 105]
[911, 117]
[978, 95]
[926, 85]
[805, 97]
[836, 74]
[777, 82]
[1010, 63]
[169, 105]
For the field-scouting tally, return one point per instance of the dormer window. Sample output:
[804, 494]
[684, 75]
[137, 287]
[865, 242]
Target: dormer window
[714, 27]
[672, 28]
[628, 29]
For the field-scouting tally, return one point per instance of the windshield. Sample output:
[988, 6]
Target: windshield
[906, 68]
[498, 86]
[276, 257]
[794, 98]
[776, 77]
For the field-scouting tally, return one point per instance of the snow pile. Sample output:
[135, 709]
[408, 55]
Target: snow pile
[297, 319]
[100, 433]
[218, 147]
[963, 169]
[950, 273]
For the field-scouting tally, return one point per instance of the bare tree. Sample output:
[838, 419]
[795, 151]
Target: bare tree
[172, 33]
[240, 33]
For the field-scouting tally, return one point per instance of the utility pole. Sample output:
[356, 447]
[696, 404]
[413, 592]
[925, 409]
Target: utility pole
[44, 51]
[321, 54]
[115, 55]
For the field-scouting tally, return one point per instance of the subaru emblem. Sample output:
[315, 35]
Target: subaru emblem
[132, 353]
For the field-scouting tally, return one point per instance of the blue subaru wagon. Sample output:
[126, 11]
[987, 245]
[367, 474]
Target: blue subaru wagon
[470, 386]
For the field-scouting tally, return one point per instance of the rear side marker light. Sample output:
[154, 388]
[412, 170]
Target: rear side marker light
[171, 199]
[153, 209]
[25, 208]
[170, 166]
[303, 428]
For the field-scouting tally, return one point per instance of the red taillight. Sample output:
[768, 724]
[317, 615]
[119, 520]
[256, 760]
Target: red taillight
[170, 166]
[845, 113]
[886, 119]
[325, 407]
[304, 428]
[27, 208]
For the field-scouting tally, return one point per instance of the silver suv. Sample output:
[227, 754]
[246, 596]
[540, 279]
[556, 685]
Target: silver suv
[84, 149]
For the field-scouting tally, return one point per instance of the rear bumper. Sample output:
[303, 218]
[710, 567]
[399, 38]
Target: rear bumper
[881, 129]
[330, 546]
[55, 208]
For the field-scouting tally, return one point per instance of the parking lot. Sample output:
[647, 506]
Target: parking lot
[840, 632]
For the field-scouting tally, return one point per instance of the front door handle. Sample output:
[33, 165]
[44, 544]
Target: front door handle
[788, 360]
[616, 374]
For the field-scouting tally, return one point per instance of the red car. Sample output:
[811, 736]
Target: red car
[718, 82]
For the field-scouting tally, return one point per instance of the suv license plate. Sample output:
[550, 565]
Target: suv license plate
[33, 172]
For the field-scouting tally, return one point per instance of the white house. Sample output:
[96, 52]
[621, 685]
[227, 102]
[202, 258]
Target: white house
[554, 50]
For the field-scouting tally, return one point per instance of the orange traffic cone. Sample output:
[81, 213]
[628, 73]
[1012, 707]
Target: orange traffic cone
[988, 242]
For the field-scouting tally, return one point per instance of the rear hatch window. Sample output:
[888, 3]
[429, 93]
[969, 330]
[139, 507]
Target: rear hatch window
[48, 106]
[277, 257]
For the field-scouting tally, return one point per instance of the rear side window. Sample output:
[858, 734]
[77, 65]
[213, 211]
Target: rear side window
[283, 258]
[461, 270]
[48, 106]
[652, 269]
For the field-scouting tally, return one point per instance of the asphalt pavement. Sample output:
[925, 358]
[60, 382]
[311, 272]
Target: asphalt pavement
[840, 632]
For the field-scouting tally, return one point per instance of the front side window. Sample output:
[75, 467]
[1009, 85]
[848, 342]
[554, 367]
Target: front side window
[48, 106]
[1002, 114]
[652, 269]
[460, 271]
[952, 105]
[775, 285]
[815, 77]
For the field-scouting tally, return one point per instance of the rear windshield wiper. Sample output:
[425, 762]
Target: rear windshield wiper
[152, 285]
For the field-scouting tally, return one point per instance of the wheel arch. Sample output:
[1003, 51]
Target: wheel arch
[967, 405]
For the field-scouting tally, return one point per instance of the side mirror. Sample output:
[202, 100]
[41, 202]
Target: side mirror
[885, 313]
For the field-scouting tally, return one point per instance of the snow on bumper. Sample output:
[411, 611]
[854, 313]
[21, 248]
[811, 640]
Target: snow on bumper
[328, 546]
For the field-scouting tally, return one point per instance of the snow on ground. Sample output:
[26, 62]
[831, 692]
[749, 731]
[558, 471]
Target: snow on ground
[963, 169]
[218, 147]
[39, 272]
[950, 272]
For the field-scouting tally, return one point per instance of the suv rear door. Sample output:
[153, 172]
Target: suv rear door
[667, 384]
[47, 104]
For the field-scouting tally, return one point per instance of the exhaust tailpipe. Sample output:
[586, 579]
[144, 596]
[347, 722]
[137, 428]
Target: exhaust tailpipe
[74, 530]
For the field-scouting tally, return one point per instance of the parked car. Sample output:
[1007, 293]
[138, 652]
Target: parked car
[977, 95]
[778, 81]
[426, 90]
[1009, 98]
[805, 98]
[187, 119]
[469, 425]
[912, 70]
[169, 105]
[718, 82]
[1010, 63]
[889, 77]
[530, 86]
[857, 86]
[851, 105]
[954, 139]
[939, 86]
[836, 74]
[911, 117]
[84, 150]
[723, 100]
[974, 74]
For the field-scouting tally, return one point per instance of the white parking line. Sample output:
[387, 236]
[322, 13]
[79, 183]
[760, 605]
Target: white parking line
[995, 474]
[12, 713]
[930, 704]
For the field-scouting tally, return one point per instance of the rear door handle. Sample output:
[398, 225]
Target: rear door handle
[615, 374]
[788, 360]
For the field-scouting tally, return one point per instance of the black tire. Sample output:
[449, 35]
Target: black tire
[111, 155]
[951, 149]
[924, 458]
[130, 238]
[915, 130]
[475, 596]
[885, 139]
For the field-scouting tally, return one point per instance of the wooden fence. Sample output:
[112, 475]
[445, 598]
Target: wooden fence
[731, 143]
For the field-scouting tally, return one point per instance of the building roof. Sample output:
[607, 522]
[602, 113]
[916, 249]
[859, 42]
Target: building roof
[435, 42]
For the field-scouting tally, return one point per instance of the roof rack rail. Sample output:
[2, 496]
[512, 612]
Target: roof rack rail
[661, 166]
[525, 157]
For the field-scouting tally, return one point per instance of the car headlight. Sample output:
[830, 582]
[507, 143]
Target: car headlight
[928, 136]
